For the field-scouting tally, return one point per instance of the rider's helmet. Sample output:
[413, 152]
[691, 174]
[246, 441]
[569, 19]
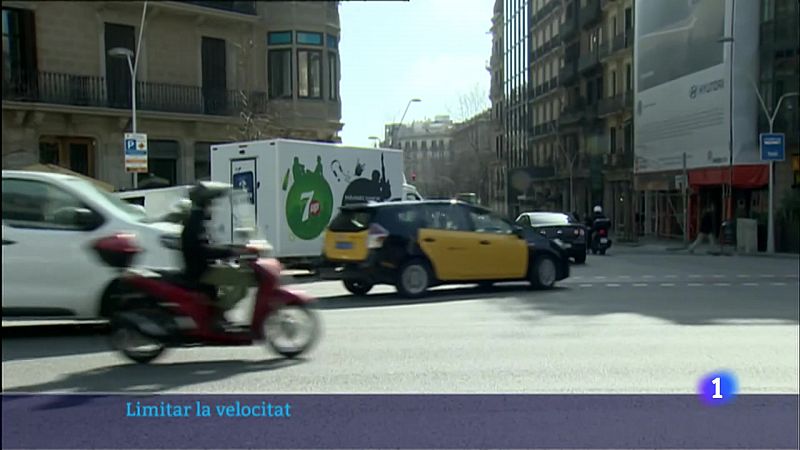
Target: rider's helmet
[598, 209]
[204, 192]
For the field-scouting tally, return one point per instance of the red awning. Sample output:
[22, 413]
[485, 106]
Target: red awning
[744, 177]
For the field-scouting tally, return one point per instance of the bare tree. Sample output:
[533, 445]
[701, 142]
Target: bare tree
[257, 121]
[471, 144]
[569, 155]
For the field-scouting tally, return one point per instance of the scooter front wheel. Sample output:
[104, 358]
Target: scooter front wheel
[291, 330]
[128, 340]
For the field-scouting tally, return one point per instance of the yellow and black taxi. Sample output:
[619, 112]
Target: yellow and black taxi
[417, 245]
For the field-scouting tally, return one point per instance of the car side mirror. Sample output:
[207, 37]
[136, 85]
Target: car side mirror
[519, 231]
[86, 218]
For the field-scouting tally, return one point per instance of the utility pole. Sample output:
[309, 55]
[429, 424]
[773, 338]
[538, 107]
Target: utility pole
[771, 118]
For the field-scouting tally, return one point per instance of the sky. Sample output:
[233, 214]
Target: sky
[393, 51]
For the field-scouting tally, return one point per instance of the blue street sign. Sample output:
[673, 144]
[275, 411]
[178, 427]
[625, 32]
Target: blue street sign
[772, 146]
[130, 144]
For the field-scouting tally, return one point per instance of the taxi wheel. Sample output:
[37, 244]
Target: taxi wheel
[357, 287]
[414, 279]
[543, 273]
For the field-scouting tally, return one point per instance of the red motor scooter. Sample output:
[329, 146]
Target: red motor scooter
[157, 309]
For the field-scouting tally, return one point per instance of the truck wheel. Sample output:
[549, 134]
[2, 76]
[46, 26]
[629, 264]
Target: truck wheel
[543, 273]
[357, 287]
[414, 279]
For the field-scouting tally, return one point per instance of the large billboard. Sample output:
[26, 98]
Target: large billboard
[684, 70]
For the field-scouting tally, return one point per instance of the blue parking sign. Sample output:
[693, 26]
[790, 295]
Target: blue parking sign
[772, 146]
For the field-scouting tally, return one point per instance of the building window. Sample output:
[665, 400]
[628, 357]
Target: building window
[613, 139]
[280, 73]
[162, 164]
[73, 153]
[333, 76]
[306, 38]
[613, 83]
[628, 78]
[19, 45]
[333, 41]
[279, 38]
[628, 136]
[309, 73]
[202, 160]
[118, 74]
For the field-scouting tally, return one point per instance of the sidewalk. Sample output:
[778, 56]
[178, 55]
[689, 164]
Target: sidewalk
[660, 245]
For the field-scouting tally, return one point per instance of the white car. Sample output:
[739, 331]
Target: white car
[50, 222]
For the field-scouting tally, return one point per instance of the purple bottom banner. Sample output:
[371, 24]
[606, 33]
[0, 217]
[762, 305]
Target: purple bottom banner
[56, 421]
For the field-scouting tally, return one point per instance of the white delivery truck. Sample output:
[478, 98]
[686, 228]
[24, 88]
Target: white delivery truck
[158, 202]
[297, 187]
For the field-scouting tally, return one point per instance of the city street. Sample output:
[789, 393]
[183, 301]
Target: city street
[630, 322]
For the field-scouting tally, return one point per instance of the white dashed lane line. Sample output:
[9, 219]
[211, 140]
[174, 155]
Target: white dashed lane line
[667, 284]
[778, 283]
[640, 284]
[695, 284]
[749, 284]
[613, 285]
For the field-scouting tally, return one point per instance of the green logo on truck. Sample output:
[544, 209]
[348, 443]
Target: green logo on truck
[309, 202]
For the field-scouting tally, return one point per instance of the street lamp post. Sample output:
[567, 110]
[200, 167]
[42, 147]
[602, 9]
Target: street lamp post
[771, 118]
[397, 128]
[727, 203]
[133, 64]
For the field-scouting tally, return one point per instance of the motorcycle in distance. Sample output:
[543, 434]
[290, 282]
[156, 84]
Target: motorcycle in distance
[600, 241]
[157, 308]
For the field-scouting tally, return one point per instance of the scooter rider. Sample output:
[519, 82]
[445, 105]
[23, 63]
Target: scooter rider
[198, 253]
[592, 222]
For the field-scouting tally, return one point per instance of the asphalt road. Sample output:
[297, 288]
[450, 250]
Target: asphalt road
[629, 322]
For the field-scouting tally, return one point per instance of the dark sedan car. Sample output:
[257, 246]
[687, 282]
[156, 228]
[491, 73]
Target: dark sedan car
[558, 226]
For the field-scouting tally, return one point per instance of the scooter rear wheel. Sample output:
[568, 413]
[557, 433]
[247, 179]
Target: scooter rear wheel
[129, 341]
[291, 330]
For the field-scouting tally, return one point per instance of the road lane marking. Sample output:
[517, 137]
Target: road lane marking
[613, 285]
[667, 284]
[695, 284]
[648, 276]
[585, 285]
[718, 276]
[778, 283]
[749, 284]
[722, 284]
[695, 276]
[767, 275]
[624, 276]
[639, 284]
[742, 275]
[670, 276]
[790, 276]
[600, 277]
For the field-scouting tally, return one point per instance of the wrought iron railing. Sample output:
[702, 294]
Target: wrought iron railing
[94, 91]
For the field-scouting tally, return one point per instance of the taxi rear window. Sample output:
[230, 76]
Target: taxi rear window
[351, 221]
